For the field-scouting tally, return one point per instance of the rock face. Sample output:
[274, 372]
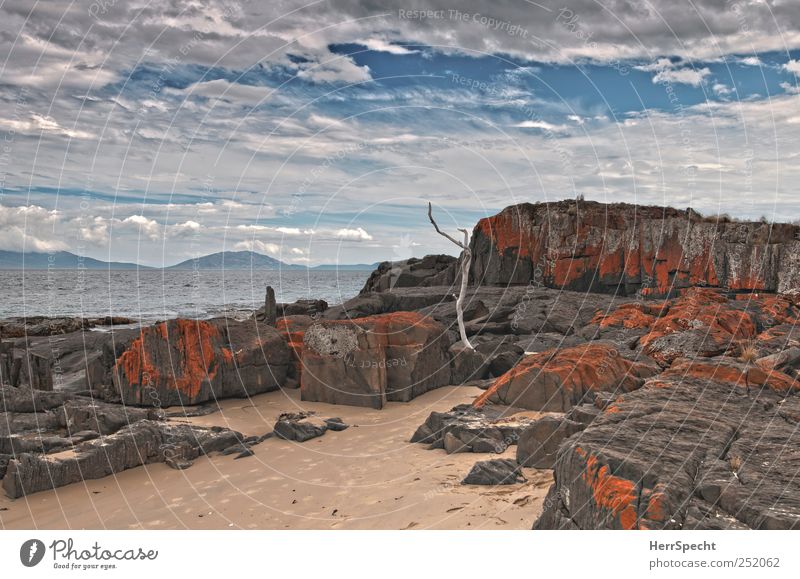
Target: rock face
[372, 360]
[539, 443]
[192, 361]
[431, 270]
[625, 249]
[704, 445]
[25, 367]
[557, 380]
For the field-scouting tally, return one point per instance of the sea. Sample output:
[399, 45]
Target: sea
[149, 295]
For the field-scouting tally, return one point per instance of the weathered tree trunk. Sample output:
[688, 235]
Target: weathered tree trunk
[466, 261]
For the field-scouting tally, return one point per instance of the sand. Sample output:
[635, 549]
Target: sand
[366, 477]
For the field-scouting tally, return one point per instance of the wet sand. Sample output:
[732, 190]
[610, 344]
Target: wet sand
[366, 477]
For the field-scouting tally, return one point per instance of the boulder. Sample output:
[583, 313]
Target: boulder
[299, 426]
[431, 270]
[183, 362]
[489, 429]
[372, 360]
[557, 380]
[498, 471]
[466, 364]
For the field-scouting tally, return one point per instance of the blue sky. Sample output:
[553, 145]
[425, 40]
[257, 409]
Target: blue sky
[318, 132]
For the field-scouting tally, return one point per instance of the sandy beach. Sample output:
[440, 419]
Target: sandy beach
[366, 477]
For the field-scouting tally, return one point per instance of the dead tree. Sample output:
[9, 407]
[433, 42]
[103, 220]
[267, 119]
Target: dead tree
[465, 259]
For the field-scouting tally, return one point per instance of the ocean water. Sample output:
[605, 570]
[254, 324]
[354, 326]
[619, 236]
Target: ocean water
[155, 295]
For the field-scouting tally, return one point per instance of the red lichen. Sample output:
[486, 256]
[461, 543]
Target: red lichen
[611, 493]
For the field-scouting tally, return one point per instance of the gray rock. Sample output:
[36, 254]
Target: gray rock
[299, 427]
[499, 471]
[539, 442]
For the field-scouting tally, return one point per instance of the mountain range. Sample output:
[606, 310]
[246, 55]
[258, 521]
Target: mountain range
[229, 260]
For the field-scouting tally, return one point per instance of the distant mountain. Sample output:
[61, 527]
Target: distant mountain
[229, 260]
[58, 260]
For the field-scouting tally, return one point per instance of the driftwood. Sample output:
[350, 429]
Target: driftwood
[465, 260]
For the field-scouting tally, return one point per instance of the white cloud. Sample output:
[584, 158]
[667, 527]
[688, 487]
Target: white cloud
[224, 90]
[150, 228]
[29, 228]
[658, 65]
[751, 61]
[721, 89]
[790, 88]
[690, 76]
[793, 66]
[259, 246]
[357, 234]
[186, 228]
[543, 125]
[379, 45]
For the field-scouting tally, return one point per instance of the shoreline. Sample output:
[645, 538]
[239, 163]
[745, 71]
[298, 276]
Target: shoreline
[366, 477]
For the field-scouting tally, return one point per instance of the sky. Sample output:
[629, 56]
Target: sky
[317, 132]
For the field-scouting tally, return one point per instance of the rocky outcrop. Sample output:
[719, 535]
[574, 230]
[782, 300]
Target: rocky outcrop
[557, 380]
[182, 362]
[140, 443]
[25, 367]
[489, 429]
[46, 326]
[629, 249]
[431, 270]
[708, 444]
[372, 360]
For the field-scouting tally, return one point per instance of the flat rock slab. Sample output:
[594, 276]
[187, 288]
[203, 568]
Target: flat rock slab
[499, 471]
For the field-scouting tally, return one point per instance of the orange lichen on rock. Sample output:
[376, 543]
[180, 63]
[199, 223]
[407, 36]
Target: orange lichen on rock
[735, 374]
[194, 363]
[589, 246]
[629, 316]
[135, 365]
[293, 329]
[614, 494]
[704, 311]
[557, 379]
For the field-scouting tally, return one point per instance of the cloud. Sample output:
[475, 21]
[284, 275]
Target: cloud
[379, 45]
[751, 61]
[690, 76]
[258, 246]
[357, 234]
[229, 92]
[150, 228]
[37, 124]
[721, 89]
[543, 125]
[29, 228]
[792, 66]
[790, 88]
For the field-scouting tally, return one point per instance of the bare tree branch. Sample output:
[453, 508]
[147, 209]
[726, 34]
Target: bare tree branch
[440, 232]
[465, 260]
